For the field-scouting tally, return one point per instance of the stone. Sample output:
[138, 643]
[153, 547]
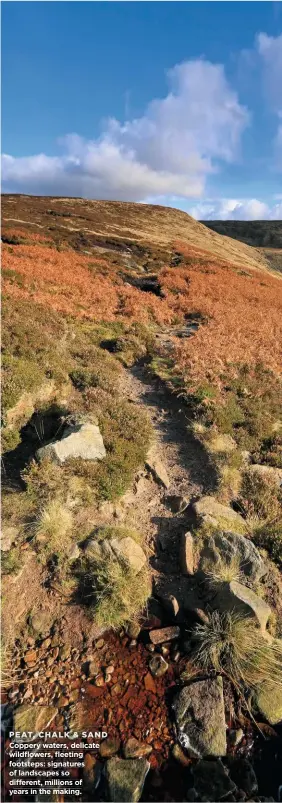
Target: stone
[149, 683]
[209, 510]
[133, 630]
[34, 717]
[125, 550]
[269, 701]
[236, 736]
[126, 778]
[82, 440]
[187, 553]
[243, 774]
[170, 604]
[240, 599]
[41, 622]
[109, 747]
[211, 781]
[267, 472]
[157, 469]
[164, 634]
[231, 549]
[8, 536]
[158, 666]
[200, 718]
[74, 554]
[135, 749]
[128, 550]
[89, 775]
[177, 503]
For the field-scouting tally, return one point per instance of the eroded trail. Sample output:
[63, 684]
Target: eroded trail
[154, 507]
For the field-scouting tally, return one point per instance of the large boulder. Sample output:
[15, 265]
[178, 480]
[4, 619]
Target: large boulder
[209, 511]
[200, 718]
[237, 598]
[81, 440]
[33, 718]
[231, 550]
[125, 550]
[269, 701]
[125, 778]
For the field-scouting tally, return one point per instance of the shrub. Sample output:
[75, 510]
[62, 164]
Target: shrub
[260, 496]
[234, 645]
[271, 451]
[268, 535]
[11, 561]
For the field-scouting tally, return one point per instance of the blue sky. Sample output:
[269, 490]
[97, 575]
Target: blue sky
[178, 103]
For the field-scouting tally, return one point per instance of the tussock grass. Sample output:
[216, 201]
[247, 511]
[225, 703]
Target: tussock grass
[225, 572]
[116, 594]
[233, 644]
[53, 528]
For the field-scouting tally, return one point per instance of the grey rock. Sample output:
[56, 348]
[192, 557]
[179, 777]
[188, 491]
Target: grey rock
[158, 666]
[187, 558]
[109, 747]
[125, 779]
[75, 553]
[82, 440]
[209, 510]
[164, 634]
[240, 599]
[211, 781]
[269, 701]
[8, 536]
[228, 548]
[200, 718]
[157, 469]
[125, 550]
[41, 622]
[33, 717]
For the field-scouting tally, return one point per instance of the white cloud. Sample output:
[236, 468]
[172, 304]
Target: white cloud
[171, 150]
[232, 209]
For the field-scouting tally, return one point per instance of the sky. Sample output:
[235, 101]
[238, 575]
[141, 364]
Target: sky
[175, 103]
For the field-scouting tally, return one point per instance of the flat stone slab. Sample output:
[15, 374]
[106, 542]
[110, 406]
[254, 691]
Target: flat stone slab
[125, 778]
[164, 634]
[157, 469]
[200, 718]
[78, 441]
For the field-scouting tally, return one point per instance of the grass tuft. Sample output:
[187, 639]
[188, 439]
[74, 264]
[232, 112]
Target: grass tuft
[233, 644]
[53, 528]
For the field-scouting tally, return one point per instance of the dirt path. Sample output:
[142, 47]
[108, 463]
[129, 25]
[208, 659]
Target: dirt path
[186, 463]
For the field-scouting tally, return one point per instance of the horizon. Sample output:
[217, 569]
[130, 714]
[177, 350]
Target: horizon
[157, 103]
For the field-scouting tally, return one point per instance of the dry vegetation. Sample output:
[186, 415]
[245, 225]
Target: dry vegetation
[70, 275]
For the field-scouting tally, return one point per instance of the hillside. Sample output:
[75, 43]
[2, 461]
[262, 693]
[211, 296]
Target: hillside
[82, 223]
[142, 530]
[264, 235]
